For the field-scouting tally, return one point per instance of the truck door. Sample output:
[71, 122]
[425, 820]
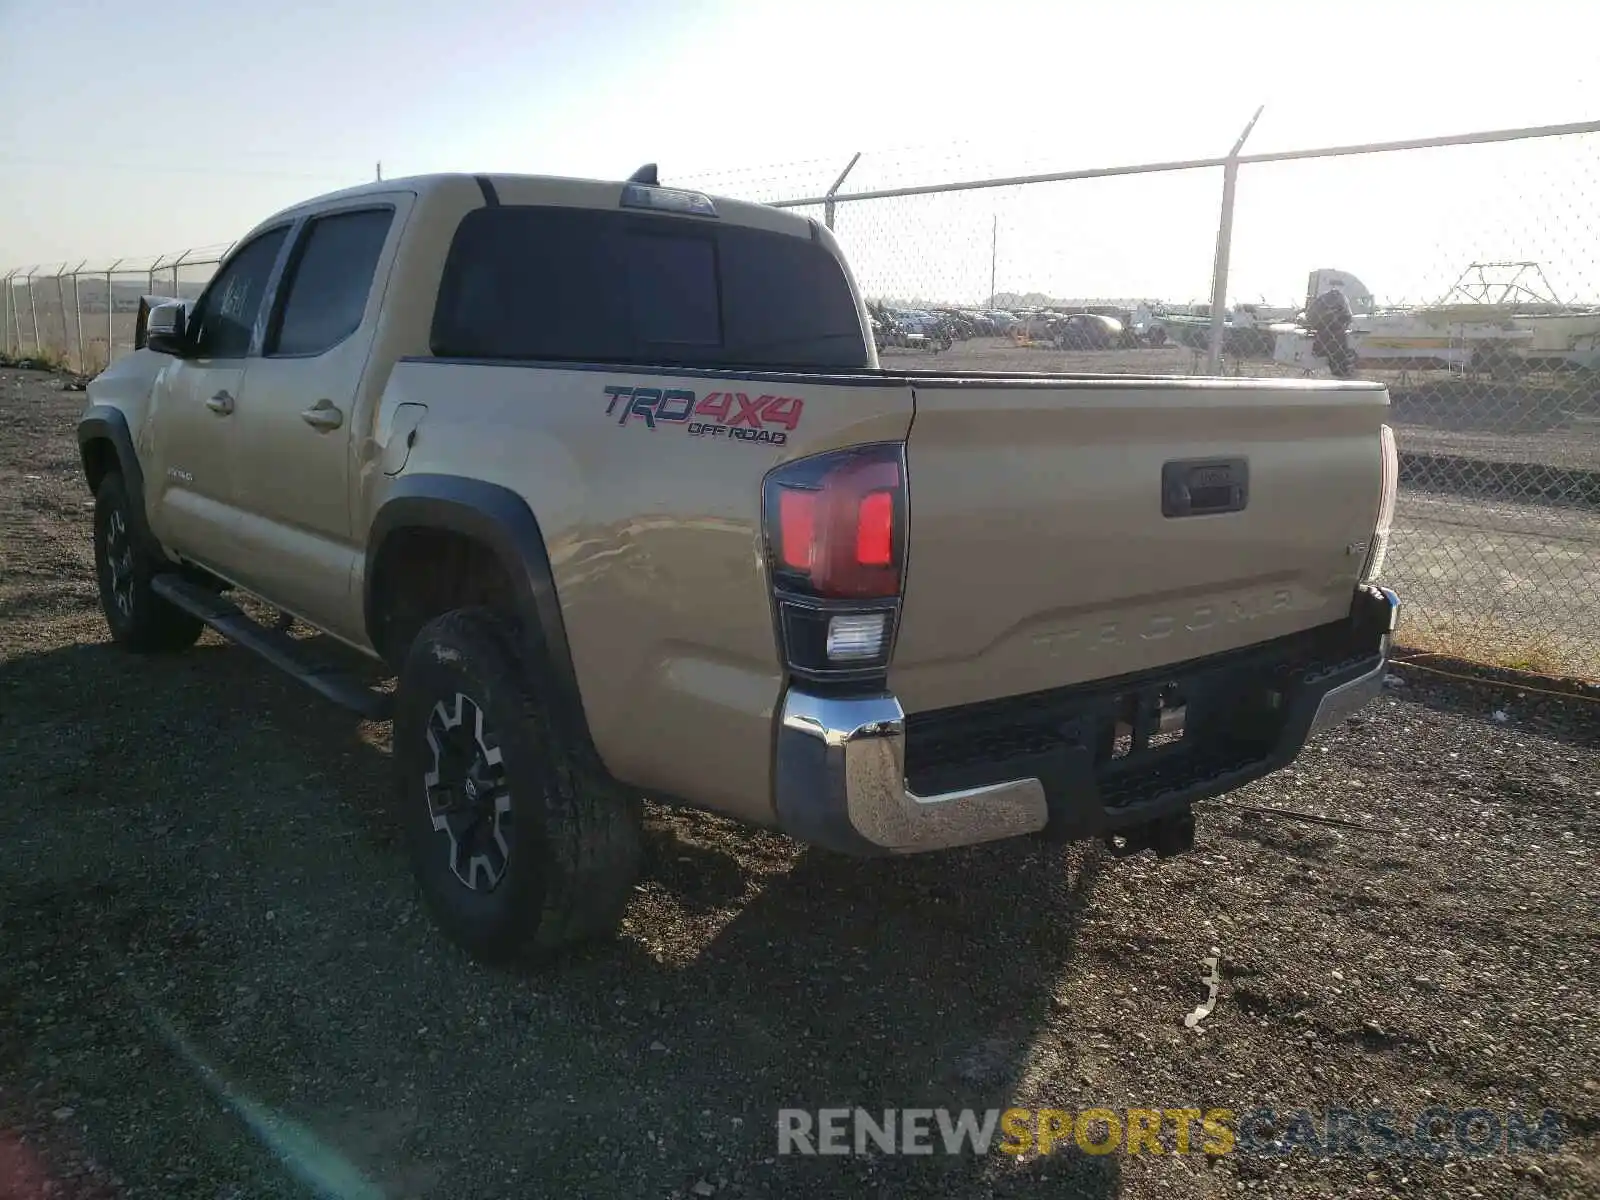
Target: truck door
[195, 402]
[302, 410]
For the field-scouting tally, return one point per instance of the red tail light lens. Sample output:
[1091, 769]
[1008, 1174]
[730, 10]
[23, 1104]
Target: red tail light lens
[875, 530]
[834, 523]
[797, 525]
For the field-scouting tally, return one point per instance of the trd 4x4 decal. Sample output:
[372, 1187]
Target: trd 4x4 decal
[732, 415]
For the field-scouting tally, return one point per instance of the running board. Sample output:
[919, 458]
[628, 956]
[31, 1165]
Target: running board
[277, 648]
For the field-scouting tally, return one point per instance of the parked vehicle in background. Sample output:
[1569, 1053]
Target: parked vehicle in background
[663, 526]
[1087, 331]
[894, 330]
[1035, 327]
[1145, 323]
[939, 329]
[981, 324]
[916, 330]
[959, 324]
[906, 332]
[879, 330]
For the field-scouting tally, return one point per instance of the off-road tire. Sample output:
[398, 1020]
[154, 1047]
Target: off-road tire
[139, 619]
[572, 855]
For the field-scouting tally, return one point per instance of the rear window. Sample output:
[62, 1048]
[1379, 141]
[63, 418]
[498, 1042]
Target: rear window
[580, 285]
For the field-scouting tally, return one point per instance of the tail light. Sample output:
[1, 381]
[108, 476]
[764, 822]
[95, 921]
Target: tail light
[1391, 485]
[835, 527]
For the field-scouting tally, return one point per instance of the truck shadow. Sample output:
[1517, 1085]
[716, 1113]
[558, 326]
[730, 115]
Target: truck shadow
[752, 976]
[891, 984]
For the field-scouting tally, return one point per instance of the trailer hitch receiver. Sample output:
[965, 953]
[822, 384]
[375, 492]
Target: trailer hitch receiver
[1168, 836]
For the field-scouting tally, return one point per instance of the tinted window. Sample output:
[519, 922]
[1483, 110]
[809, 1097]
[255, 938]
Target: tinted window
[584, 285]
[330, 280]
[672, 289]
[226, 313]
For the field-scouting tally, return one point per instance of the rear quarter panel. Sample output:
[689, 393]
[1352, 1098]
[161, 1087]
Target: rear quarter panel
[655, 542]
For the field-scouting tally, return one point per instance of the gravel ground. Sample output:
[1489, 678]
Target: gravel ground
[217, 982]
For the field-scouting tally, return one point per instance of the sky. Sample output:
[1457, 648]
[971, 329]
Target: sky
[135, 130]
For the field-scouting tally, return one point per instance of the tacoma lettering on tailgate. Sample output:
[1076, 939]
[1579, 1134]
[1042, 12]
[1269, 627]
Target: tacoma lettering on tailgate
[731, 415]
[1108, 634]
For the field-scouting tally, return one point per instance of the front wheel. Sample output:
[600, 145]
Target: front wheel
[139, 619]
[513, 849]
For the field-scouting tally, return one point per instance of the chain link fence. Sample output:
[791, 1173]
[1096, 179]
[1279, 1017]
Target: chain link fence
[81, 315]
[1486, 327]
[1477, 302]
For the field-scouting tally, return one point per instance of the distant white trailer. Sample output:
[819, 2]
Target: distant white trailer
[1498, 317]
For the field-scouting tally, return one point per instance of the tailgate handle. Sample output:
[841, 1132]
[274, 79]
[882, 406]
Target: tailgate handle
[1196, 487]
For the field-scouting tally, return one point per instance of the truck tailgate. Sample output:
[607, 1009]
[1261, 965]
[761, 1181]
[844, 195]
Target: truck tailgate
[1050, 541]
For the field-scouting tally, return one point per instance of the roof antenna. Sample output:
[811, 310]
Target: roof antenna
[645, 175]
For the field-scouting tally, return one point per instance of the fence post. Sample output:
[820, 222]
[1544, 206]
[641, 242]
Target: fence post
[61, 299]
[77, 319]
[5, 315]
[16, 309]
[33, 309]
[110, 309]
[176, 263]
[827, 208]
[1219, 269]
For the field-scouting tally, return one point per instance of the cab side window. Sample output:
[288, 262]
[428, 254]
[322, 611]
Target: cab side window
[329, 282]
[226, 314]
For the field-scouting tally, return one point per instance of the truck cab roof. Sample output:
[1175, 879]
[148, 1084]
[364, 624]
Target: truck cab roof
[557, 191]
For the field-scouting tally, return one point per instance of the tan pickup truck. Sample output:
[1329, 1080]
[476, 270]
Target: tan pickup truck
[610, 476]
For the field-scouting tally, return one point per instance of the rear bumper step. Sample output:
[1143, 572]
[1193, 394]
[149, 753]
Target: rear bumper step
[274, 645]
[859, 776]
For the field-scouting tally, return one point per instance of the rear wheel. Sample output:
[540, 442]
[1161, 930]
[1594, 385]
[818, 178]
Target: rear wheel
[513, 849]
[138, 618]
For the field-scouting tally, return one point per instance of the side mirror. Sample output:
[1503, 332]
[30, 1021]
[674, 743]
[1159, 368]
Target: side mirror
[142, 319]
[166, 329]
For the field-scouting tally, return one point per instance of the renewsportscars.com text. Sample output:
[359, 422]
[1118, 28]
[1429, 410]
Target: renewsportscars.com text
[1376, 1132]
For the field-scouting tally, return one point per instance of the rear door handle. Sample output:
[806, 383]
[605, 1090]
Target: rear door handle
[322, 416]
[221, 403]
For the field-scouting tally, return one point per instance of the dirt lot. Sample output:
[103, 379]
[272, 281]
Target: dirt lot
[216, 981]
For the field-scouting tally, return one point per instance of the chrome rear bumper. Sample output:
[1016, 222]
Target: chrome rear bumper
[1345, 699]
[840, 772]
[1342, 701]
[842, 783]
